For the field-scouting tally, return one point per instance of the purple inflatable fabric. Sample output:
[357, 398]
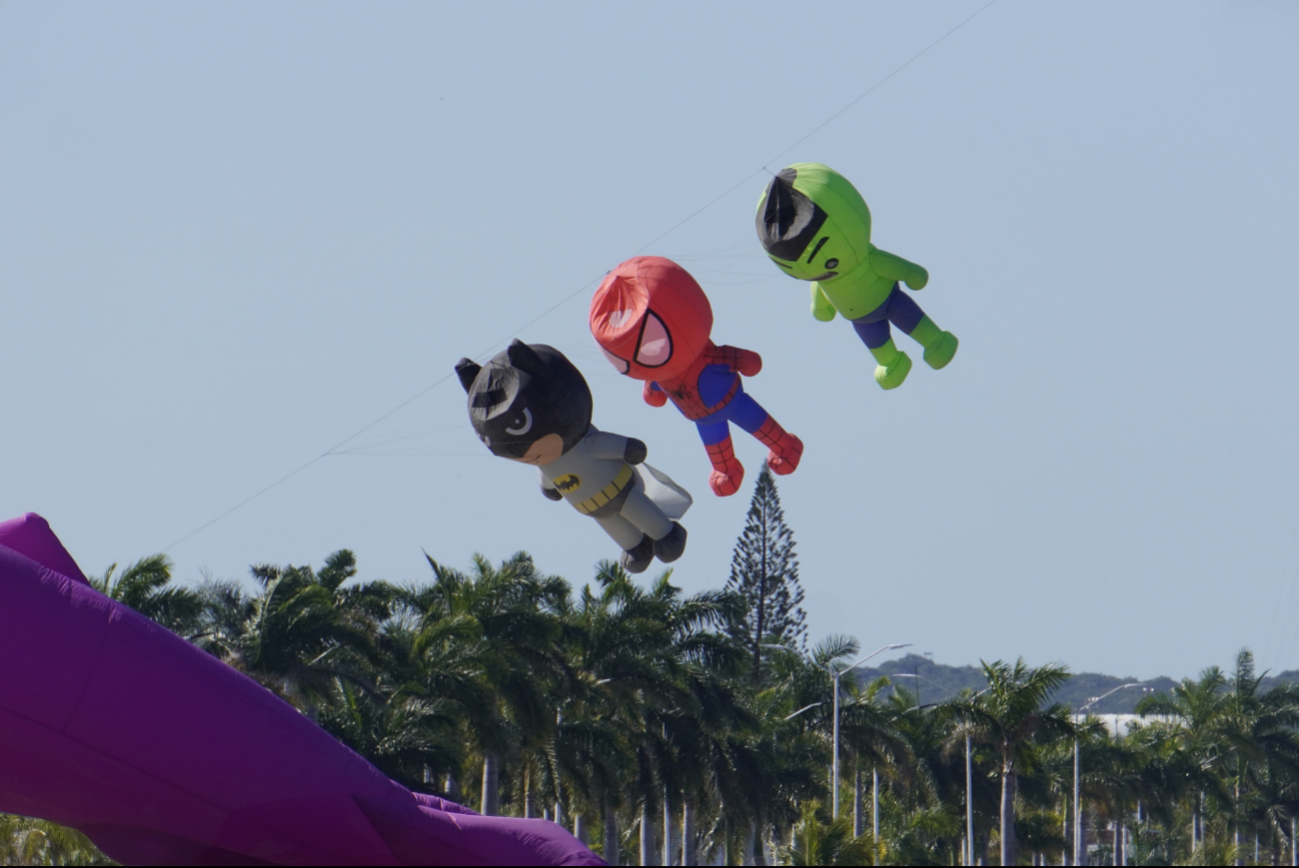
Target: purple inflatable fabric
[164, 755]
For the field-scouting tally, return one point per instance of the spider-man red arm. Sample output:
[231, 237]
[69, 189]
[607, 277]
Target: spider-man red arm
[653, 395]
[746, 362]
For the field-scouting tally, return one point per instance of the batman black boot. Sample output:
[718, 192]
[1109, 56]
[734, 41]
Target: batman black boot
[671, 546]
[637, 560]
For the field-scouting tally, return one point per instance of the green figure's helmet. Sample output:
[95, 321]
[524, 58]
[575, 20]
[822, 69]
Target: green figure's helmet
[813, 223]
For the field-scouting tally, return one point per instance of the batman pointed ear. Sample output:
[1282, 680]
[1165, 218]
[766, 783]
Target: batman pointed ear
[525, 358]
[467, 369]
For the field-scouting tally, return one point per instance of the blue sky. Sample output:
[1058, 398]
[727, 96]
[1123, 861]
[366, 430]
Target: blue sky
[231, 235]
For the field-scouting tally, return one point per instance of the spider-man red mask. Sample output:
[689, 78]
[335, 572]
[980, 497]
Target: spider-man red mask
[651, 318]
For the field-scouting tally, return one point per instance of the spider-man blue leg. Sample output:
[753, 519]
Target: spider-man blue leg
[786, 449]
[728, 472]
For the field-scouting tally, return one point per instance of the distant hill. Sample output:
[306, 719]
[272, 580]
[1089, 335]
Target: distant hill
[938, 682]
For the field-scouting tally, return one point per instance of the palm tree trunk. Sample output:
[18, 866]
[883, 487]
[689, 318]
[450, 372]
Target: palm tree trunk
[1235, 835]
[875, 810]
[611, 836]
[858, 821]
[667, 830]
[759, 846]
[1009, 856]
[688, 831]
[579, 828]
[1197, 832]
[647, 836]
[453, 788]
[491, 785]
[1064, 834]
[529, 798]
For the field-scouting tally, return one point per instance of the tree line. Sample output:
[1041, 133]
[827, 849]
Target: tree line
[666, 728]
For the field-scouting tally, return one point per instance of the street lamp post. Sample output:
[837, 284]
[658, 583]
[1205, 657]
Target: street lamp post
[967, 852]
[835, 675]
[1077, 802]
[834, 769]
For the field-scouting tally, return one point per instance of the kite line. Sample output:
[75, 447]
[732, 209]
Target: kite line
[583, 288]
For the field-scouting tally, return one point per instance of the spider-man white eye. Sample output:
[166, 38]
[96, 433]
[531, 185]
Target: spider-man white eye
[621, 364]
[655, 343]
[524, 427]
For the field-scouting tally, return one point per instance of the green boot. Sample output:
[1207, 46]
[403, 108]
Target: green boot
[937, 355]
[940, 346]
[894, 365]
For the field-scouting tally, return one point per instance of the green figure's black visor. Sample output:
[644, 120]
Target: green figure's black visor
[789, 220]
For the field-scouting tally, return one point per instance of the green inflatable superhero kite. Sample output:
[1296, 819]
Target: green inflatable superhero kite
[815, 225]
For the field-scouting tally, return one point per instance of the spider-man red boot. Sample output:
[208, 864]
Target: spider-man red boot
[786, 449]
[728, 472]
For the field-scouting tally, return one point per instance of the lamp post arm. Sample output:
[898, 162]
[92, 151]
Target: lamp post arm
[1092, 702]
[803, 709]
[893, 647]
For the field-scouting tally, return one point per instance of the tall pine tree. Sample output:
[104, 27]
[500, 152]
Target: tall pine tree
[764, 571]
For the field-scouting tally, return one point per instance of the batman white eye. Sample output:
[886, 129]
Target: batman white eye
[523, 428]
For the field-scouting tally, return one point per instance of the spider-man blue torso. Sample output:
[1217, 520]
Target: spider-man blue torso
[711, 381]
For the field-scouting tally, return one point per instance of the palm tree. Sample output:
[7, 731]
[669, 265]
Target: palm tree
[1112, 779]
[654, 697]
[24, 841]
[1190, 721]
[506, 620]
[227, 609]
[304, 631]
[617, 663]
[708, 732]
[146, 587]
[1012, 716]
[795, 703]
[923, 800]
[1261, 727]
[409, 738]
[820, 840]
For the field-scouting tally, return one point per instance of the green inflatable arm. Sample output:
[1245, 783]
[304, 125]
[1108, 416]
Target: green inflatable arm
[892, 267]
[822, 309]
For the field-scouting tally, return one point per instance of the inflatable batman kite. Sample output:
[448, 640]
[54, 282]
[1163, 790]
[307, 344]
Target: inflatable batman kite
[164, 755]
[815, 225]
[530, 404]
[653, 322]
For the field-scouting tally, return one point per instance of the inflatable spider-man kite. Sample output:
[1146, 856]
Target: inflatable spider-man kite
[653, 322]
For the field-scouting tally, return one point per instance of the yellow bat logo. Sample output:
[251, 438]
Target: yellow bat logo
[568, 482]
